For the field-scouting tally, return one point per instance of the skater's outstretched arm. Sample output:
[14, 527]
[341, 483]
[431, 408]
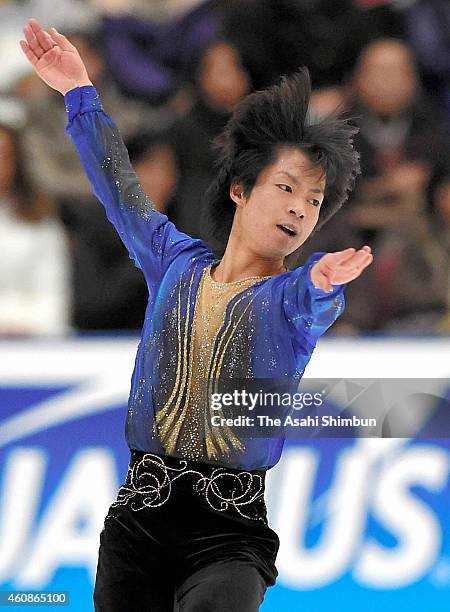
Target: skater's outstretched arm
[152, 241]
[313, 295]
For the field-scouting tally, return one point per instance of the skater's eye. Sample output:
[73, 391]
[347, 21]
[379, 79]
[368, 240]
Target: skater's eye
[314, 202]
[284, 187]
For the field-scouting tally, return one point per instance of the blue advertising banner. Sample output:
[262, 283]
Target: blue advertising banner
[364, 524]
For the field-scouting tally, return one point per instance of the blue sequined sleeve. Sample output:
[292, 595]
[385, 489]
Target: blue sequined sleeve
[310, 310]
[151, 239]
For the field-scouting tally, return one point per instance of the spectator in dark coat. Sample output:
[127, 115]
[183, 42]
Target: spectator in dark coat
[105, 279]
[401, 138]
[277, 36]
[221, 83]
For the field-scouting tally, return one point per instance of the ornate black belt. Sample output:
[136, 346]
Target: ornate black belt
[151, 478]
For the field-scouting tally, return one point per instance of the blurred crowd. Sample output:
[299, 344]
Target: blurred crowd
[169, 72]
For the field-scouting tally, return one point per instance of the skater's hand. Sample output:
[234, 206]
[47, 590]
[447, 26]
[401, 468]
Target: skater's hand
[340, 267]
[55, 60]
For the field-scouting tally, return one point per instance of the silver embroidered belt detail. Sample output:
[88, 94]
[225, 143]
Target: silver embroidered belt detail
[149, 484]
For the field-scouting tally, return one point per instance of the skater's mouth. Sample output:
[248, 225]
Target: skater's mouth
[288, 229]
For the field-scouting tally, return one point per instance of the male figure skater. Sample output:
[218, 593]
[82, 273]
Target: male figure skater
[188, 530]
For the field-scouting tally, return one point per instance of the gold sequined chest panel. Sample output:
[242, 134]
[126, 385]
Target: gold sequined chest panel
[217, 348]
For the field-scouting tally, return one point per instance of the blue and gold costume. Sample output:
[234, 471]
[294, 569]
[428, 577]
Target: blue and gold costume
[195, 328]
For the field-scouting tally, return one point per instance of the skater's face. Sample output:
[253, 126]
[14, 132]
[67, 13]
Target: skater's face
[289, 192]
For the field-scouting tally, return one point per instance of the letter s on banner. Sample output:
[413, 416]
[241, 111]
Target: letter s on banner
[411, 521]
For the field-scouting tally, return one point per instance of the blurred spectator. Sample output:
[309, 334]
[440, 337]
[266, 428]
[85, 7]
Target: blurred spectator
[406, 287]
[150, 58]
[411, 276]
[401, 141]
[387, 17]
[411, 270]
[110, 293]
[407, 283]
[329, 100]
[428, 23]
[51, 159]
[221, 83]
[401, 138]
[277, 36]
[153, 159]
[439, 202]
[34, 263]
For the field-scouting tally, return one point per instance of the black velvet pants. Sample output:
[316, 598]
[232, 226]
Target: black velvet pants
[185, 537]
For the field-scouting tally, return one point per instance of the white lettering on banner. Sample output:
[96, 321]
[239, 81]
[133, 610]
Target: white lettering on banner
[412, 521]
[84, 496]
[313, 567]
[363, 482]
[20, 496]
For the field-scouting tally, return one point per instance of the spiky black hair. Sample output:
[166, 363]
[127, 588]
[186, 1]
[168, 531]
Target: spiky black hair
[259, 125]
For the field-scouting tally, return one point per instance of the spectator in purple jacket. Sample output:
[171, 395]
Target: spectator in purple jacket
[151, 59]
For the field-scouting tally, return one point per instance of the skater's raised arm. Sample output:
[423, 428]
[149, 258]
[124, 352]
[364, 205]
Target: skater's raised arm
[152, 241]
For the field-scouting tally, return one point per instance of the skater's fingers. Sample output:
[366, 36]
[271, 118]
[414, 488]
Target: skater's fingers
[338, 258]
[31, 56]
[41, 35]
[32, 41]
[366, 262]
[38, 33]
[46, 41]
[61, 40]
[357, 260]
[34, 25]
[350, 258]
[348, 273]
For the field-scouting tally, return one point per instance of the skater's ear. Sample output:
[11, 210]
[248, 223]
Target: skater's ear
[237, 194]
